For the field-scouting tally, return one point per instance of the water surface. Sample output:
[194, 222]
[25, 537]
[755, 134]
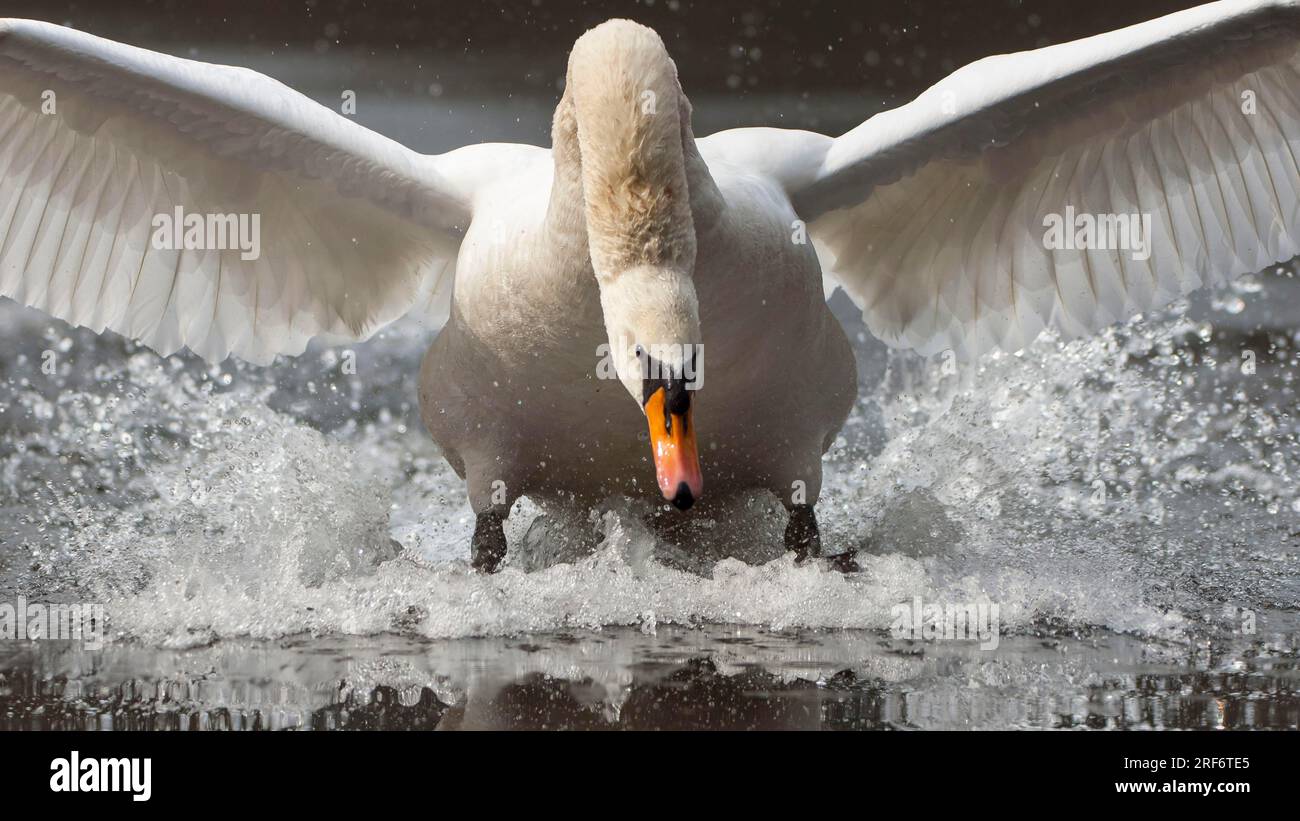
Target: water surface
[284, 546]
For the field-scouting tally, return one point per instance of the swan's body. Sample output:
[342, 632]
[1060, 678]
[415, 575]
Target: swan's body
[510, 389]
[628, 232]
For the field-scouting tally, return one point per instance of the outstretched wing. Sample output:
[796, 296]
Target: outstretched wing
[1071, 186]
[102, 143]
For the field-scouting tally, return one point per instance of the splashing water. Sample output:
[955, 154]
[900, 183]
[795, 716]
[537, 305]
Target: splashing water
[1140, 481]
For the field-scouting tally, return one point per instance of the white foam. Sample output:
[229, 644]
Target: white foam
[231, 519]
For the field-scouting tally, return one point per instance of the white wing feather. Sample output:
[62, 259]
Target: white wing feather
[932, 215]
[96, 138]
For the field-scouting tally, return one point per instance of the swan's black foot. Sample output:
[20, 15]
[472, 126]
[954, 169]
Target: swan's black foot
[845, 563]
[803, 537]
[801, 534]
[488, 547]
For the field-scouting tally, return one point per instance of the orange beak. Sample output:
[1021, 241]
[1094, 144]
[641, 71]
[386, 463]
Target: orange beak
[677, 462]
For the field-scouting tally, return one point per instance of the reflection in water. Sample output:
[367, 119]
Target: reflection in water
[383, 711]
[725, 678]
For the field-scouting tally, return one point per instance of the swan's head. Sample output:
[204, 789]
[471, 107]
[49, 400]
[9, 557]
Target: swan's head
[652, 320]
[622, 120]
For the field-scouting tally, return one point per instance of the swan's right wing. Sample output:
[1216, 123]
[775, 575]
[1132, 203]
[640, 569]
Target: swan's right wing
[1072, 186]
[103, 146]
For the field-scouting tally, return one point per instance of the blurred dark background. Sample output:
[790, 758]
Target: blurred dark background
[810, 63]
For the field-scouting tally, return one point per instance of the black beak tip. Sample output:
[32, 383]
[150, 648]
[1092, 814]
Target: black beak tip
[683, 499]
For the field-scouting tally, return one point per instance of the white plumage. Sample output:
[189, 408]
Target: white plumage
[96, 138]
[1179, 137]
[930, 214]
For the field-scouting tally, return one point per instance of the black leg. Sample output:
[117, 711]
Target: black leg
[801, 534]
[489, 545]
[804, 538]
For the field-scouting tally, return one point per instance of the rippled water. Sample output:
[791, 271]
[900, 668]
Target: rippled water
[1128, 502]
[302, 509]
[675, 678]
[1136, 482]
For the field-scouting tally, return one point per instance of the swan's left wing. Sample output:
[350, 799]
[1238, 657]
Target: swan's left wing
[188, 204]
[1073, 186]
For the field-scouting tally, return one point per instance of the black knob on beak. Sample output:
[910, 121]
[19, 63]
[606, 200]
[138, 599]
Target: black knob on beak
[678, 399]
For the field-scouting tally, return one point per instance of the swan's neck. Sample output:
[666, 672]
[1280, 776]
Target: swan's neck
[624, 152]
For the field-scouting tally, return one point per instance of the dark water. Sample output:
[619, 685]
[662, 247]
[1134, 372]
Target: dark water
[708, 678]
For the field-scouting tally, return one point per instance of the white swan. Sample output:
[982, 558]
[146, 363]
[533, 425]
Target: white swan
[1171, 147]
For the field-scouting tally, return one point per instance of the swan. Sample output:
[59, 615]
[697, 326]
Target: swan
[634, 309]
